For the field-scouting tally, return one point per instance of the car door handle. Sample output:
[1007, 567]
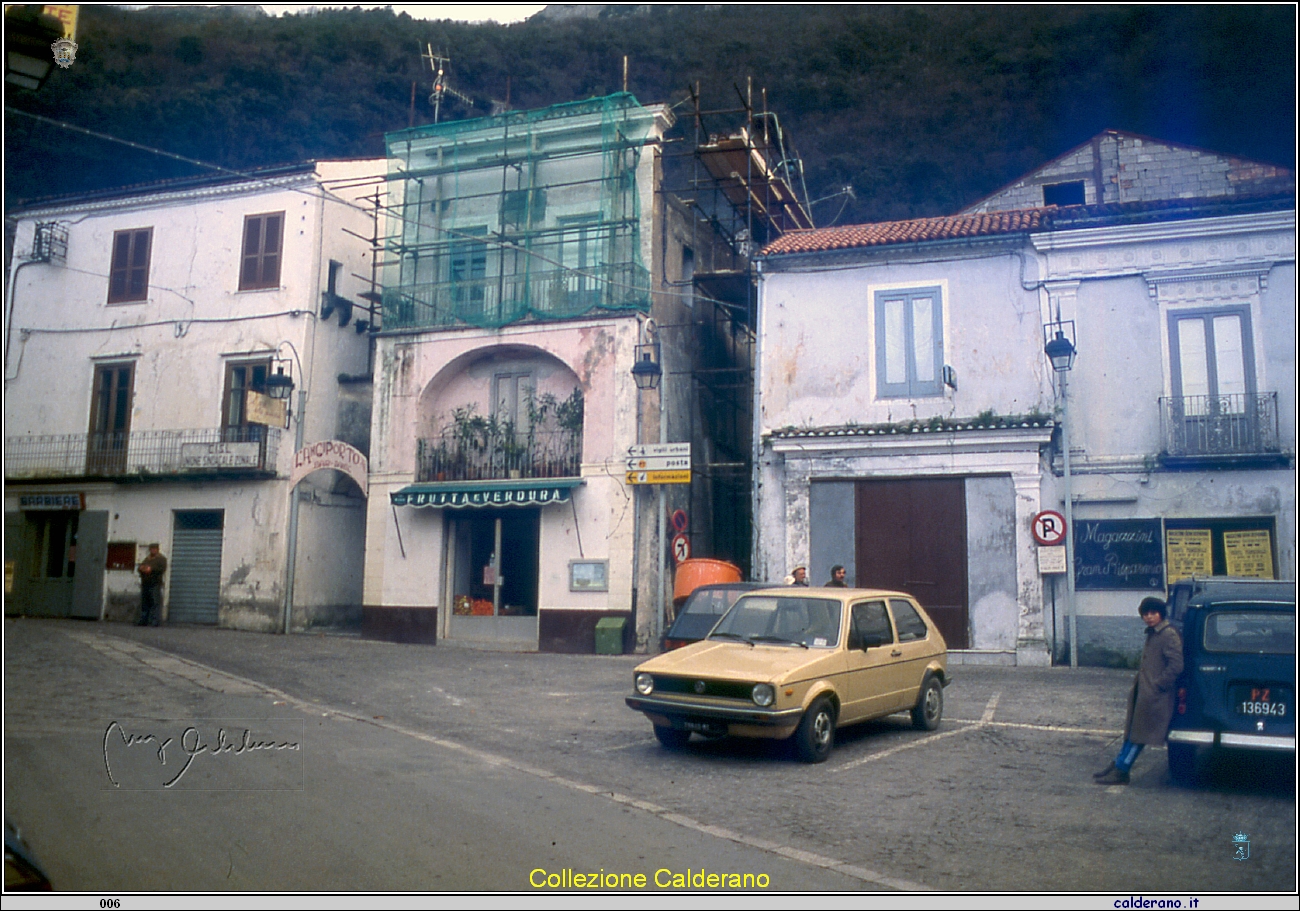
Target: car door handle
[896, 653]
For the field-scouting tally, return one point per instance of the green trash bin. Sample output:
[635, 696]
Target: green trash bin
[609, 635]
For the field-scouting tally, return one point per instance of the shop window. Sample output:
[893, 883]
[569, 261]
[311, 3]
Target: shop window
[1220, 547]
[55, 539]
[909, 343]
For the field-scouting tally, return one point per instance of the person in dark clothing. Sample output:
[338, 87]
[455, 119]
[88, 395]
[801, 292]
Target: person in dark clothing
[1151, 702]
[151, 571]
[837, 577]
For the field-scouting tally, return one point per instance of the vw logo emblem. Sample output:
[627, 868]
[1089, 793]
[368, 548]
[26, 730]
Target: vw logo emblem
[699, 687]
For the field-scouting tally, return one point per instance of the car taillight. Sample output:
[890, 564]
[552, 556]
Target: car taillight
[1182, 700]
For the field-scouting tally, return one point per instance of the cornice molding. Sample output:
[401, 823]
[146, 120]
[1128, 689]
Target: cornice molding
[158, 199]
[1163, 231]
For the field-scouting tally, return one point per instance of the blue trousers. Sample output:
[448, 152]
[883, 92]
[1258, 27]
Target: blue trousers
[1128, 755]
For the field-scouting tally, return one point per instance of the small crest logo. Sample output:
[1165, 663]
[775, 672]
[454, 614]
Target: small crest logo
[65, 51]
[700, 687]
[1241, 841]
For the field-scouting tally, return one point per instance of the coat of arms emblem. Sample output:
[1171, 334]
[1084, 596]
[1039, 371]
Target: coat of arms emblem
[1241, 841]
[65, 51]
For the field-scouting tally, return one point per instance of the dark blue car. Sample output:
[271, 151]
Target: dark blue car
[1237, 689]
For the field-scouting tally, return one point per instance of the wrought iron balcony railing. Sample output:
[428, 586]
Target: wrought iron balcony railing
[1220, 425]
[535, 294]
[453, 457]
[249, 450]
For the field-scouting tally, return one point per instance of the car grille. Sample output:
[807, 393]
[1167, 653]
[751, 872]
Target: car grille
[725, 689]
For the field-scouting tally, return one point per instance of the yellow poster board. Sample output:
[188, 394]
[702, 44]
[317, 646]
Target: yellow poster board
[1248, 553]
[1187, 553]
[67, 15]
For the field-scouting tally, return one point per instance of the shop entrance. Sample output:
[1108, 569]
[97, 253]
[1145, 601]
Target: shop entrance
[492, 573]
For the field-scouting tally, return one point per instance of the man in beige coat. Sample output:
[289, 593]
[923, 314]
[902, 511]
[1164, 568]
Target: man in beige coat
[1151, 703]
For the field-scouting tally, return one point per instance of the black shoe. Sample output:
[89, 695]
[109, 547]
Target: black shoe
[1115, 776]
[1104, 772]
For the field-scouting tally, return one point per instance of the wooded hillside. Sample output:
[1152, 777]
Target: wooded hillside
[920, 109]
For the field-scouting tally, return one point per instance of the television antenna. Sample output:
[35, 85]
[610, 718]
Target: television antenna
[438, 64]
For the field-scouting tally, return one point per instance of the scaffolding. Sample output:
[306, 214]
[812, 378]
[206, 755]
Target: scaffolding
[525, 215]
[733, 170]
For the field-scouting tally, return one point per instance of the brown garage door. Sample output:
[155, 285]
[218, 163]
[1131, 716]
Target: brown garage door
[911, 536]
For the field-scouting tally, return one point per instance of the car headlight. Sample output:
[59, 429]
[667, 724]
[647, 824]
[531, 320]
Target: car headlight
[763, 694]
[645, 684]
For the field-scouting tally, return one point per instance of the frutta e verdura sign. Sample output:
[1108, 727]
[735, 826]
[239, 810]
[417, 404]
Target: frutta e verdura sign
[1124, 554]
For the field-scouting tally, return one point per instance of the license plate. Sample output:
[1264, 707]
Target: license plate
[703, 727]
[1262, 702]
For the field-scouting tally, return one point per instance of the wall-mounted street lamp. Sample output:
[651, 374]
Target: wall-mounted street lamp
[1060, 350]
[646, 371]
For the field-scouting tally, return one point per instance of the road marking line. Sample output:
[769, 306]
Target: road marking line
[990, 708]
[1053, 728]
[173, 664]
[898, 749]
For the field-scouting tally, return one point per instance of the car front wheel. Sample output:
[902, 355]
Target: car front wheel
[928, 710]
[672, 738]
[816, 733]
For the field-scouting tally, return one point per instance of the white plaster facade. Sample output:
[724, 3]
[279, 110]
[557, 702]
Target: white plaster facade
[578, 170]
[1125, 278]
[178, 340]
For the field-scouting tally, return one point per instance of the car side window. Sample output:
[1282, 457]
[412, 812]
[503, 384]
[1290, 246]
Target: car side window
[910, 625]
[870, 619]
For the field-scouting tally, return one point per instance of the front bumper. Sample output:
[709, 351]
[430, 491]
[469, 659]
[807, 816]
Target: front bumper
[1233, 740]
[675, 710]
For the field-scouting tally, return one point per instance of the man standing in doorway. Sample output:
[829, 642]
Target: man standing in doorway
[151, 571]
[837, 577]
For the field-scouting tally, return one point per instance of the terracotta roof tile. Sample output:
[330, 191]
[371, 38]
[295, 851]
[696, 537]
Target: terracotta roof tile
[947, 227]
[1014, 221]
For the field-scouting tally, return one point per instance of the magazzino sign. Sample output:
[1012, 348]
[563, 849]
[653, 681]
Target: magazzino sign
[333, 454]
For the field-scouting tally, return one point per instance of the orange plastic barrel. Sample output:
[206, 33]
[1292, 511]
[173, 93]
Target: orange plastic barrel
[697, 571]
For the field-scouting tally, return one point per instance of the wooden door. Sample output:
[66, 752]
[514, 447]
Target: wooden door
[911, 537]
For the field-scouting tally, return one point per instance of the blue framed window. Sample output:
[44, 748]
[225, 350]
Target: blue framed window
[909, 342]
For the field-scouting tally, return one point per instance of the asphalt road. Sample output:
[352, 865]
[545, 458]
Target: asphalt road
[437, 768]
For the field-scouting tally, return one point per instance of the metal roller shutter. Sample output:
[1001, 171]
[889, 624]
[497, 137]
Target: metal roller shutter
[195, 567]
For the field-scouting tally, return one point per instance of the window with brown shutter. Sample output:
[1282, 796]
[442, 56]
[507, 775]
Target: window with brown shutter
[129, 276]
[260, 267]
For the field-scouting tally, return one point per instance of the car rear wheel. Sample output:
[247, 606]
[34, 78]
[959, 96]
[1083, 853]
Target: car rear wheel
[816, 733]
[1182, 763]
[928, 710]
[671, 738]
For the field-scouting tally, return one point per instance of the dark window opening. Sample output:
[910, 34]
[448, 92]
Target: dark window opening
[129, 277]
[1063, 194]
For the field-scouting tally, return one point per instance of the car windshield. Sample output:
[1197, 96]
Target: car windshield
[810, 622]
[1253, 632]
[701, 611]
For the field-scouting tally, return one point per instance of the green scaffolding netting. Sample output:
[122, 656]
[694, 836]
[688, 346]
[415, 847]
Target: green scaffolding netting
[527, 215]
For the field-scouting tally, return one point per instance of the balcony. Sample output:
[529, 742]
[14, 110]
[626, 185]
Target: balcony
[492, 456]
[1238, 430]
[499, 300]
[219, 452]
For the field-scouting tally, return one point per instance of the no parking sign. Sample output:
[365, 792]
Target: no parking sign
[1049, 528]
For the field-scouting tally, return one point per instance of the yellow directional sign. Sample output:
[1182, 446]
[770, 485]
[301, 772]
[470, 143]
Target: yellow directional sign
[659, 477]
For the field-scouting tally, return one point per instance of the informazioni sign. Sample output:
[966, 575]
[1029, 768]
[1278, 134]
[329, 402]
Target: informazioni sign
[333, 454]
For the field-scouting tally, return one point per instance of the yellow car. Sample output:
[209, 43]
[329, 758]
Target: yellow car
[799, 661]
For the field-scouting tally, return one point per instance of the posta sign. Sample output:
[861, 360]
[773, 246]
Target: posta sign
[333, 454]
